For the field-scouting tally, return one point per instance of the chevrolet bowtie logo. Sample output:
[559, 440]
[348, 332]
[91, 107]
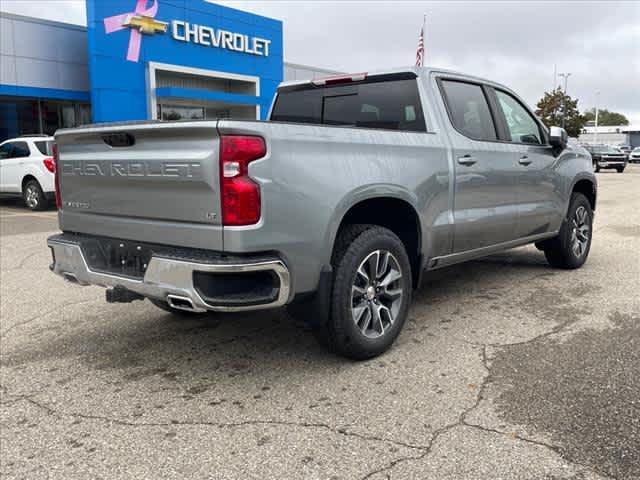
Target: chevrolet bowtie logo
[145, 24]
[140, 20]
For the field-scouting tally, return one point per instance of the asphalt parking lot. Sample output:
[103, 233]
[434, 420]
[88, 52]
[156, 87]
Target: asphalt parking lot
[507, 369]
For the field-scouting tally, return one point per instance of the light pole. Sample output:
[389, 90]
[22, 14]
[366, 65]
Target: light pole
[564, 104]
[595, 137]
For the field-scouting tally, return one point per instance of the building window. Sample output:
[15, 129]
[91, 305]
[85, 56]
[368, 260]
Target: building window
[180, 112]
[37, 116]
[57, 114]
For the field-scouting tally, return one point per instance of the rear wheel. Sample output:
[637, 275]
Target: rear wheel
[570, 248]
[620, 169]
[34, 197]
[371, 292]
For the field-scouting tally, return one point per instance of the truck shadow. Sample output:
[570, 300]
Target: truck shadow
[15, 204]
[135, 341]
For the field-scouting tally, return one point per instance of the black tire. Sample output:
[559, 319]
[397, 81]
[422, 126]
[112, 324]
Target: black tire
[620, 169]
[596, 168]
[340, 333]
[184, 313]
[560, 251]
[33, 196]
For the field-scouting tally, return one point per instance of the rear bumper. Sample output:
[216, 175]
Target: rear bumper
[172, 278]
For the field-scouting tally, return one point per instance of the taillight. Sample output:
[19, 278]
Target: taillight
[239, 194]
[56, 171]
[50, 164]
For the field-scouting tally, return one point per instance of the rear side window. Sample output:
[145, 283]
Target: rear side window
[388, 105]
[45, 147]
[20, 149]
[298, 106]
[469, 110]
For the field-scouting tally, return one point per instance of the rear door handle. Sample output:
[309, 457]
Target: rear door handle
[467, 160]
[524, 160]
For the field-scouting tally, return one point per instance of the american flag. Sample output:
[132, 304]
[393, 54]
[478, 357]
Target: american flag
[420, 50]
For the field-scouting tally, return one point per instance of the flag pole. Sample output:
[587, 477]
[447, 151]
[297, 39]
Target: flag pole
[424, 34]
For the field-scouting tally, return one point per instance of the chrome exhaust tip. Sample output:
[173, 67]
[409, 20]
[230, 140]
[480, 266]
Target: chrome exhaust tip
[181, 303]
[70, 277]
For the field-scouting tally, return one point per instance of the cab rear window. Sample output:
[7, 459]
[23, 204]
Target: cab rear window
[388, 105]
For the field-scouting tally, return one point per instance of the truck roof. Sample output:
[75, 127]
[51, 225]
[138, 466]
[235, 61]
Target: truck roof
[418, 71]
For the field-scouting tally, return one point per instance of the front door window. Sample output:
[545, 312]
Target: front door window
[522, 126]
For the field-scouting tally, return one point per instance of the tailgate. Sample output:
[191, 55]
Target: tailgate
[145, 181]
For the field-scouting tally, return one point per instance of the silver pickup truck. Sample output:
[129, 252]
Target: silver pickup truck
[335, 207]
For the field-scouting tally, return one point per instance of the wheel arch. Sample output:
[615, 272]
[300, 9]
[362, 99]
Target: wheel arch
[27, 178]
[393, 211]
[588, 187]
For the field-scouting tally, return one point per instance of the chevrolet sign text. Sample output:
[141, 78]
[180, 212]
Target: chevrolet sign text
[210, 37]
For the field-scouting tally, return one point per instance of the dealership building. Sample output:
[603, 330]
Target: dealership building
[140, 60]
[611, 135]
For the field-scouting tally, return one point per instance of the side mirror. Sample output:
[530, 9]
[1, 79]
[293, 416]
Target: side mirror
[558, 137]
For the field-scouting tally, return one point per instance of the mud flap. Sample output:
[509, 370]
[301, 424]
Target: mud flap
[314, 309]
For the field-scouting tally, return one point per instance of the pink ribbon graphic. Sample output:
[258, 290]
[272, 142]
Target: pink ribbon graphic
[116, 23]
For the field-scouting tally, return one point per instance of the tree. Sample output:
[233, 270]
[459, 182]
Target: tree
[606, 118]
[551, 107]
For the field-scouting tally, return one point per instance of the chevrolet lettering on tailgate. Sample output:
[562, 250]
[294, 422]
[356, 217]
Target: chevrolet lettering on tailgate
[132, 168]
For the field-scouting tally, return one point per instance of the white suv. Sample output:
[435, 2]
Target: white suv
[27, 168]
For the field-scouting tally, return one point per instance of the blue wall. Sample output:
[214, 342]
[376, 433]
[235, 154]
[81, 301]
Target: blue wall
[118, 86]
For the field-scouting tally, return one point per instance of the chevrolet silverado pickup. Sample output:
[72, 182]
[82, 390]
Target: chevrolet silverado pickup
[604, 156]
[334, 207]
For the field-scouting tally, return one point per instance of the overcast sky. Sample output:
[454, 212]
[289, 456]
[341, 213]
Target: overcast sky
[516, 43]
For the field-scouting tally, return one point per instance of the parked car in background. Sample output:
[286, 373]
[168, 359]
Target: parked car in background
[620, 149]
[634, 156]
[27, 168]
[334, 207]
[625, 149]
[605, 156]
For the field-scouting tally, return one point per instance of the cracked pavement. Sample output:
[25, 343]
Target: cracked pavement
[506, 369]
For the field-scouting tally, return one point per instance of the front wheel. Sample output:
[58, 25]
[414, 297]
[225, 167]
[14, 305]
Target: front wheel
[620, 169]
[371, 292]
[571, 247]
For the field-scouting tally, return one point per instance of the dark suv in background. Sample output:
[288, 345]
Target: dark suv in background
[605, 156]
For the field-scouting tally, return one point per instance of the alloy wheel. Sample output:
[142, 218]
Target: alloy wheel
[376, 294]
[31, 196]
[580, 231]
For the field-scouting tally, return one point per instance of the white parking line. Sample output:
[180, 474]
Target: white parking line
[41, 215]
